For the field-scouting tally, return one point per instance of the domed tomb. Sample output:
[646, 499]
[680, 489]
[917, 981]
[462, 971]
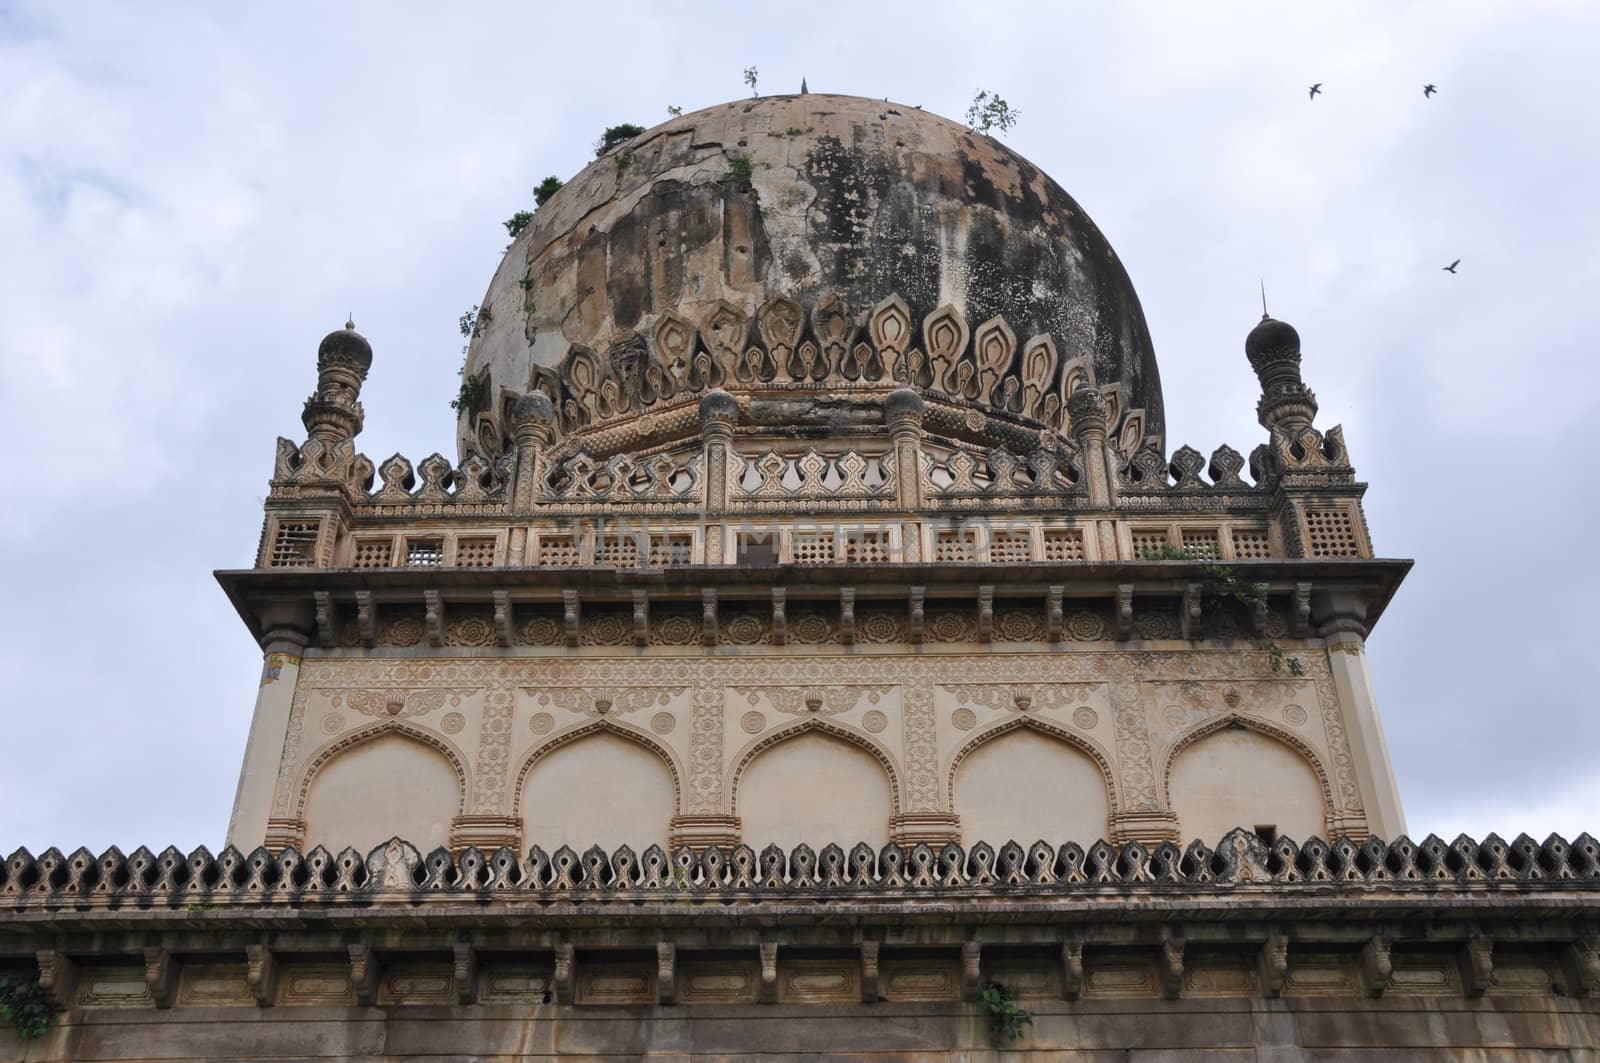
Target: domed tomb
[808, 254]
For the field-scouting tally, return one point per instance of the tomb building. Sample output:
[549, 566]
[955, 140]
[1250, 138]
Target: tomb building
[814, 628]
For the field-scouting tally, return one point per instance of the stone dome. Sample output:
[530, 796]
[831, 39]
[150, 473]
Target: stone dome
[835, 206]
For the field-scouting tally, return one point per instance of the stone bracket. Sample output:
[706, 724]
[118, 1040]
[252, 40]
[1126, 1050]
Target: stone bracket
[1055, 611]
[1193, 608]
[366, 974]
[666, 973]
[1477, 965]
[869, 971]
[1581, 960]
[986, 613]
[433, 617]
[504, 620]
[1377, 969]
[261, 974]
[1072, 969]
[1122, 615]
[367, 619]
[1273, 963]
[466, 972]
[161, 973]
[570, 618]
[327, 629]
[562, 980]
[1300, 622]
[917, 624]
[971, 969]
[780, 619]
[769, 972]
[641, 617]
[58, 977]
[847, 616]
[708, 615]
[1172, 943]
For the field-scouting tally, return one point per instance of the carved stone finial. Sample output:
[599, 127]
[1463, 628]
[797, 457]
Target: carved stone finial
[718, 411]
[903, 404]
[1273, 348]
[333, 412]
[533, 418]
[1086, 413]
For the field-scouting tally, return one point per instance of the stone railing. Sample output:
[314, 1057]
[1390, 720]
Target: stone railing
[398, 869]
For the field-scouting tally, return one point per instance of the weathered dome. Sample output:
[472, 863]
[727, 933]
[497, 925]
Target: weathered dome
[830, 204]
[1271, 336]
[345, 347]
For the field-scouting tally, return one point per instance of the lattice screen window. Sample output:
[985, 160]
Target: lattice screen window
[424, 553]
[372, 553]
[955, 546]
[815, 548]
[1251, 543]
[1201, 543]
[1148, 542]
[866, 547]
[295, 544]
[475, 552]
[621, 552]
[1332, 533]
[1063, 544]
[668, 549]
[1011, 547]
[558, 550]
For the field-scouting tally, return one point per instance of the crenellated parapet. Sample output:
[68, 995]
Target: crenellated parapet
[396, 869]
[788, 417]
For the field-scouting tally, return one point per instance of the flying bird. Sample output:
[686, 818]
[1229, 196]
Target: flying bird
[1451, 268]
[1429, 90]
[1315, 89]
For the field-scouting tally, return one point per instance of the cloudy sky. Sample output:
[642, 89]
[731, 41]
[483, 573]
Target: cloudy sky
[191, 196]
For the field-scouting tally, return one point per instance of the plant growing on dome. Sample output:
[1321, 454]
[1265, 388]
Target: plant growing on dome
[545, 189]
[624, 160]
[471, 395]
[674, 112]
[518, 222]
[750, 78]
[614, 135]
[1006, 1019]
[474, 321]
[738, 178]
[990, 112]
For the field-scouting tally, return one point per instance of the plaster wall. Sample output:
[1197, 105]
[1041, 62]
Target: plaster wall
[600, 789]
[815, 789]
[378, 788]
[1237, 777]
[1026, 786]
[1017, 740]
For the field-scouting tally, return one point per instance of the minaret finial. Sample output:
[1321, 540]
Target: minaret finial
[350, 320]
[803, 89]
[1263, 298]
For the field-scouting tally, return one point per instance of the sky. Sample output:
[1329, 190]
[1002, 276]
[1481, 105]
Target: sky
[192, 195]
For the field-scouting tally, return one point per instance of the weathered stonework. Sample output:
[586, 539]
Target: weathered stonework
[813, 629]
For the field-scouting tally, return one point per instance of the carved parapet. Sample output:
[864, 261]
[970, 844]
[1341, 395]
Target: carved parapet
[708, 855]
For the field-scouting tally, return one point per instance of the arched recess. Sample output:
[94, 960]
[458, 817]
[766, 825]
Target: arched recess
[1236, 771]
[816, 783]
[600, 784]
[1027, 780]
[381, 781]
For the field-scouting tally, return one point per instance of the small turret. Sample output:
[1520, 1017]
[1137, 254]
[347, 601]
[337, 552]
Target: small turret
[334, 412]
[1273, 348]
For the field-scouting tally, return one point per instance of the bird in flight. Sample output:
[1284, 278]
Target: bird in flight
[1429, 90]
[1451, 268]
[1315, 90]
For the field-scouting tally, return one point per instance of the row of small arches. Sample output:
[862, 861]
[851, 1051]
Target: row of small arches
[813, 788]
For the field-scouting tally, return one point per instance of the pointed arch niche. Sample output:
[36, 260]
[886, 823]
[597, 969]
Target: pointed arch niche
[602, 786]
[1229, 775]
[1065, 798]
[380, 783]
[813, 786]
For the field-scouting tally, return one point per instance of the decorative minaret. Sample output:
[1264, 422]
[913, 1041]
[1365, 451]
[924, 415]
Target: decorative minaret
[334, 412]
[1286, 404]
